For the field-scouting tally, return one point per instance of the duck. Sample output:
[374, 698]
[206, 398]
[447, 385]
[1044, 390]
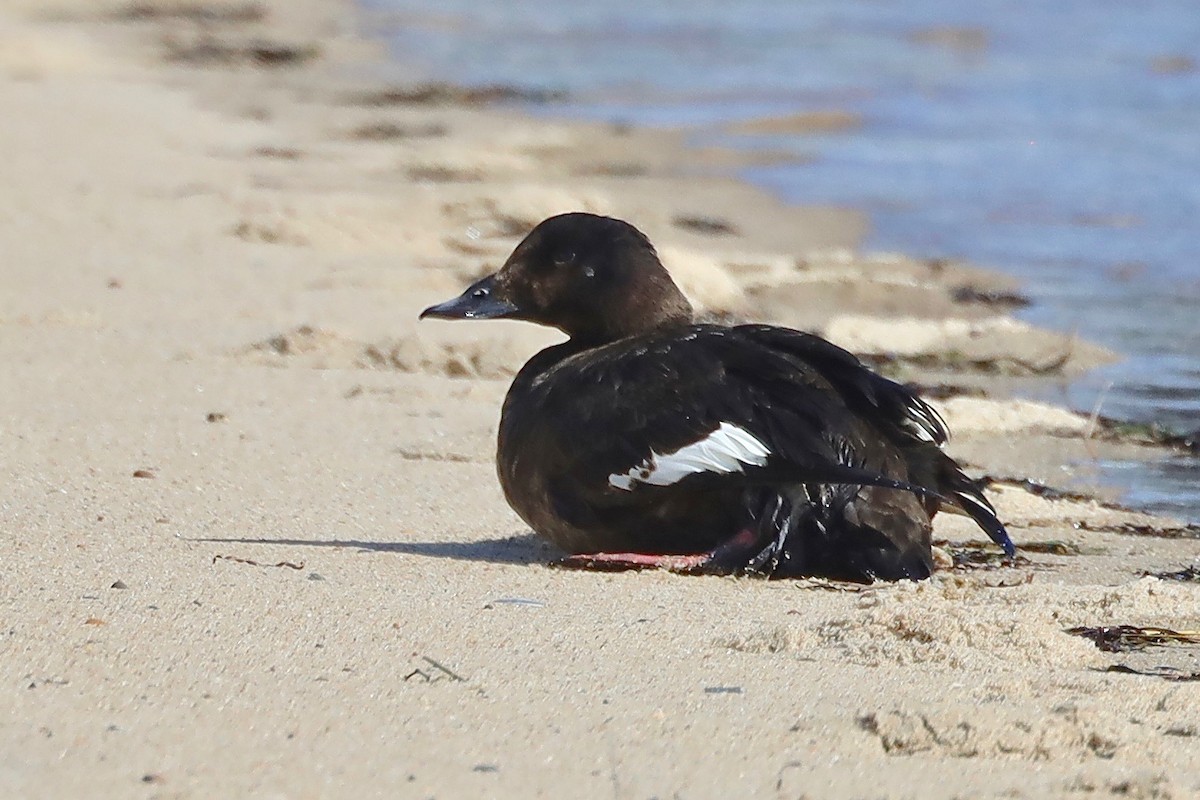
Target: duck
[649, 439]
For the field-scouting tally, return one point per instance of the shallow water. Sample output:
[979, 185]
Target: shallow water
[1056, 141]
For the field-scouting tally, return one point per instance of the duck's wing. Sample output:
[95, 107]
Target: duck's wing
[867, 393]
[898, 414]
[659, 412]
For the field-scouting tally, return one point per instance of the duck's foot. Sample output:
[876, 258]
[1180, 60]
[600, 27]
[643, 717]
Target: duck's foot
[725, 559]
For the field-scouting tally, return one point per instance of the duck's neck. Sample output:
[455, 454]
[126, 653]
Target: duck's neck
[639, 315]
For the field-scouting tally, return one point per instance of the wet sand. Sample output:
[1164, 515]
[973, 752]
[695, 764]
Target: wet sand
[253, 541]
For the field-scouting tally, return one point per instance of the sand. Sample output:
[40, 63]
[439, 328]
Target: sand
[253, 543]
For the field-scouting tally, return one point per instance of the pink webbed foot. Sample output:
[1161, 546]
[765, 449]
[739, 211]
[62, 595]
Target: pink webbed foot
[723, 559]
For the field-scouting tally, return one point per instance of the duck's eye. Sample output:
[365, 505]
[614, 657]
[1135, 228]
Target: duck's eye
[480, 292]
[564, 258]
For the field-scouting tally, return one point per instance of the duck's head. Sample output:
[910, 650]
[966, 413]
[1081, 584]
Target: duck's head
[597, 279]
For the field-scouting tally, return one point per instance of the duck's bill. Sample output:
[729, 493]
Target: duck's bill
[479, 301]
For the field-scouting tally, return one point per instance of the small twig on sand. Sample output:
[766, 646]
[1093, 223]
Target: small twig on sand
[251, 562]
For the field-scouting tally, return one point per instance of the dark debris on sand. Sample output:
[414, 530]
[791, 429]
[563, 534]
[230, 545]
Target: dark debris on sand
[956, 361]
[1166, 673]
[239, 13]
[709, 226]
[1150, 433]
[1185, 575]
[986, 558]
[944, 391]
[389, 131]
[210, 51]
[1039, 489]
[1127, 638]
[991, 298]
[441, 93]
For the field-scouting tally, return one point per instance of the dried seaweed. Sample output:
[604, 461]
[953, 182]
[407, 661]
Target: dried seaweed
[440, 93]
[615, 169]
[194, 12]
[945, 391]
[1127, 638]
[975, 558]
[827, 585]
[961, 362]
[1150, 433]
[992, 298]
[1166, 673]
[1186, 531]
[389, 131]
[1186, 575]
[1036, 487]
[709, 226]
[258, 52]
[1053, 547]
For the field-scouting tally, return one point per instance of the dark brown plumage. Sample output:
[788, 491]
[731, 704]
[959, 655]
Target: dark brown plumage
[647, 439]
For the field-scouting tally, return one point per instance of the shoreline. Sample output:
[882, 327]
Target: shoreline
[254, 532]
[552, 105]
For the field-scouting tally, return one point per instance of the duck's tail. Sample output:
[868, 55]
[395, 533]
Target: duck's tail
[961, 495]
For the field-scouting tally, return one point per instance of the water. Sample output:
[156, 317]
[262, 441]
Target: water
[1056, 141]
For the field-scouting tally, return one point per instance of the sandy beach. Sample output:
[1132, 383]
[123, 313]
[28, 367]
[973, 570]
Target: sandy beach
[253, 542]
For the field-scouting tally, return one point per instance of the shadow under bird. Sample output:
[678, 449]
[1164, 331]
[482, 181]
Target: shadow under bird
[648, 440]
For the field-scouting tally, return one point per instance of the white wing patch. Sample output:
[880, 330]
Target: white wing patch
[727, 449]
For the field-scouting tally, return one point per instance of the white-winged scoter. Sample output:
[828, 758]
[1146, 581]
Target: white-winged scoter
[646, 439]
